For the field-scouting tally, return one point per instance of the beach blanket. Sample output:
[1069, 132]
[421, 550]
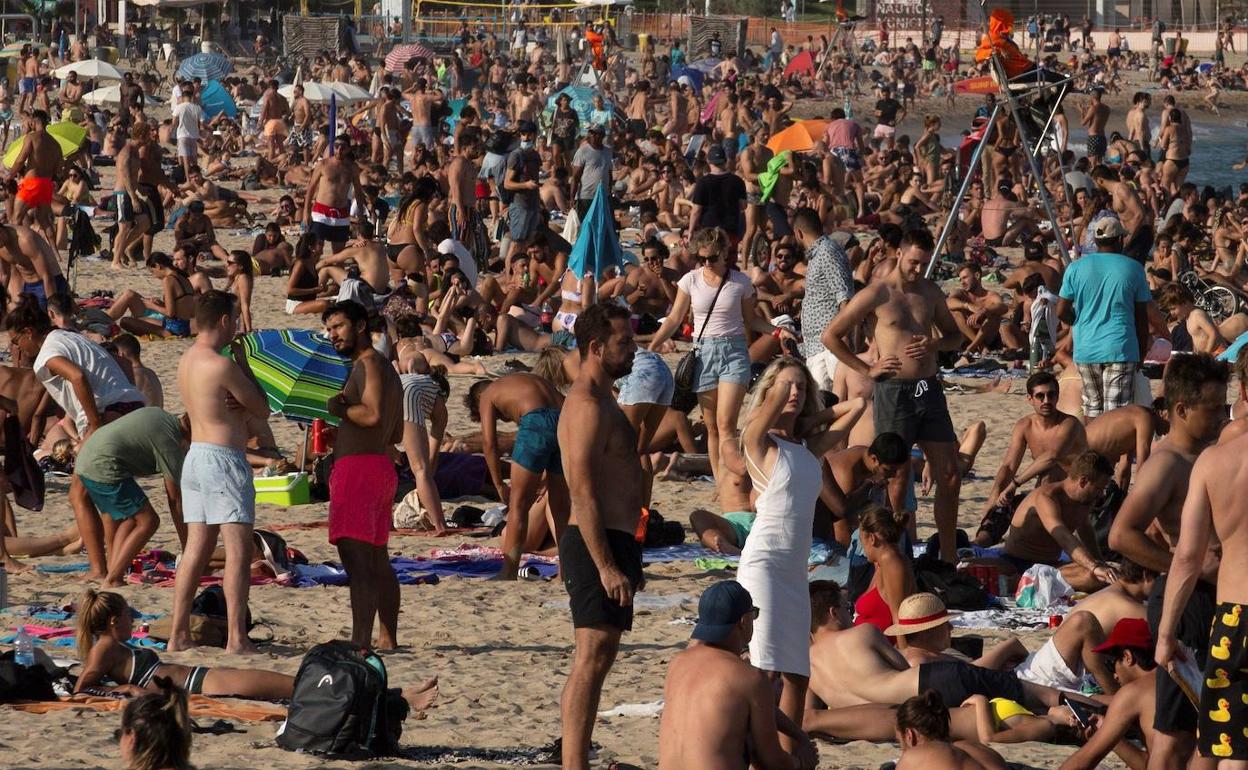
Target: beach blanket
[393, 533]
[820, 553]
[200, 706]
[1007, 617]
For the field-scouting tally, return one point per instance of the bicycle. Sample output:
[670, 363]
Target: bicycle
[1220, 302]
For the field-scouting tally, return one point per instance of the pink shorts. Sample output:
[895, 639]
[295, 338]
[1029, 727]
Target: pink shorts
[361, 498]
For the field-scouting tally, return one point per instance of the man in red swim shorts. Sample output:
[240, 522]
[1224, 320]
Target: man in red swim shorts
[363, 482]
[39, 160]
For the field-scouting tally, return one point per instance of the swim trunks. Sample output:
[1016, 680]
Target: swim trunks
[1223, 722]
[537, 442]
[1180, 162]
[849, 158]
[36, 290]
[35, 191]
[956, 681]
[883, 132]
[218, 486]
[361, 498]
[913, 409]
[1174, 712]
[1140, 246]
[587, 598]
[423, 135]
[194, 684]
[120, 501]
[331, 224]
[741, 522]
[154, 207]
[1097, 145]
[26, 86]
[188, 147]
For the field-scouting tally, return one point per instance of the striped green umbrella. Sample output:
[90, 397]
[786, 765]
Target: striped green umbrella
[298, 369]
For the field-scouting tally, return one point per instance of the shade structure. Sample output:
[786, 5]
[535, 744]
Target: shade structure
[318, 93]
[348, 92]
[103, 95]
[801, 64]
[696, 77]
[597, 246]
[402, 54]
[206, 66]
[794, 138]
[815, 128]
[90, 69]
[215, 100]
[68, 135]
[298, 370]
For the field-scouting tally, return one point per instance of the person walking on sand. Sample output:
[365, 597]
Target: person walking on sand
[38, 162]
[363, 482]
[218, 491]
[599, 556]
[327, 204]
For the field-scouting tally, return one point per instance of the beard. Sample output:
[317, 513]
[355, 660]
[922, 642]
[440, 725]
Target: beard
[618, 369]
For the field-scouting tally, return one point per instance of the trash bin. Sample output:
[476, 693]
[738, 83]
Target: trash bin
[1169, 46]
[643, 42]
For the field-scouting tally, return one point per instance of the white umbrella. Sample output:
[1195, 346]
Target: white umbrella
[348, 92]
[101, 95]
[317, 93]
[91, 69]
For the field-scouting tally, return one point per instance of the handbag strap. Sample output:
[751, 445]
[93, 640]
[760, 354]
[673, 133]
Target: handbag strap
[722, 284]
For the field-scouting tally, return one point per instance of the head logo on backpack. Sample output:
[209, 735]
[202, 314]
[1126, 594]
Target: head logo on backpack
[342, 706]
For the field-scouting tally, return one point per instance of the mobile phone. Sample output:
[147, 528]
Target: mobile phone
[1081, 710]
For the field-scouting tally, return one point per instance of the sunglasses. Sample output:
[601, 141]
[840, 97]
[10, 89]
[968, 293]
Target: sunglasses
[1045, 395]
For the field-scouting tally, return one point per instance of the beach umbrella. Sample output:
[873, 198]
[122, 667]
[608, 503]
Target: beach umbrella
[298, 370]
[794, 138]
[814, 128]
[695, 77]
[103, 95]
[801, 63]
[317, 93]
[93, 69]
[597, 246]
[206, 66]
[402, 54]
[348, 92]
[68, 136]
[215, 100]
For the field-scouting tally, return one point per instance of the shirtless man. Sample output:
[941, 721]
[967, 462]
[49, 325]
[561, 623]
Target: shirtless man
[728, 123]
[751, 162]
[1054, 439]
[719, 711]
[533, 404]
[302, 135]
[863, 475]
[900, 312]
[368, 255]
[678, 108]
[781, 288]
[71, 92]
[461, 182]
[1053, 519]
[38, 163]
[273, 118]
[1004, 218]
[152, 178]
[363, 481]
[132, 215]
[28, 69]
[1139, 129]
[980, 314]
[923, 734]
[1147, 529]
[599, 555]
[525, 105]
[326, 205]
[33, 266]
[218, 491]
[1137, 242]
[1094, 118]
[1072, 650]
[389, 122]
[726, 533]
[1125, 435]
[639, 113]
[651, 288]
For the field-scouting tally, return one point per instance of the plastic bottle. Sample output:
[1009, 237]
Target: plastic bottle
[24, 648]
[849, 108]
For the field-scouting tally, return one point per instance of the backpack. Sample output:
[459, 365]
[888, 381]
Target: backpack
[957, 590]
[83, 240]
[341, 705]
[19, 683]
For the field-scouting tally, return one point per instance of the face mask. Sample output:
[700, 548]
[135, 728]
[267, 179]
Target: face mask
[526, 144]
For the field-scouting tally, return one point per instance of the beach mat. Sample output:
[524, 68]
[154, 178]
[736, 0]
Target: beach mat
[200, 706]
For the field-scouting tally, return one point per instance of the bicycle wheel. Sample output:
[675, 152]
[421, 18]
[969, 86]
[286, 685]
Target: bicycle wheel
[760, 251]
[1222, 302]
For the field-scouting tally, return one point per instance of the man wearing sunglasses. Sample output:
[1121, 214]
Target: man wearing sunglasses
[1053, 438]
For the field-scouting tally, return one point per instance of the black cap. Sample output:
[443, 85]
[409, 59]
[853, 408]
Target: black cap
[720, 609]
[716, 155]
[526, 127]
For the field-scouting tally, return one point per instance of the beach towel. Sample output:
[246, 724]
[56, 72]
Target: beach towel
[20, 466]
[200, 706]
[768, 179]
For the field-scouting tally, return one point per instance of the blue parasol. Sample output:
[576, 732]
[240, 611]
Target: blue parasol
[216, 100]
[597, 246]
[333, 121]
[206, 66]
[298, 370]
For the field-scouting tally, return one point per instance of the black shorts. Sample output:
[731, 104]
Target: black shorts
[636, 129]
[155, 208]
[586, 596]
[1223, 727]
[913, 409]
[956, 681]
[1174, 712]
[331, 233]
[1140, 245]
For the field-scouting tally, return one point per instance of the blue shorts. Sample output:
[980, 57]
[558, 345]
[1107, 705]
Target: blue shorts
[26, 86]
[178, 327]
[721, 359]
[537, 442]
[218, 486]
[650, 381]
[120, 501]
[741, 522]
[35, 289]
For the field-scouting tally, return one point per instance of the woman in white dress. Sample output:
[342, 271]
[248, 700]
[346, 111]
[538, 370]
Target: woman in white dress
[788, 480]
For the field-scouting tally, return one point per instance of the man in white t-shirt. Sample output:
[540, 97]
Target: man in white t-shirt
[188, 116]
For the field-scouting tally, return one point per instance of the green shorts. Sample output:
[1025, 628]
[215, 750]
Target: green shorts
[742, 522]
[120, 501]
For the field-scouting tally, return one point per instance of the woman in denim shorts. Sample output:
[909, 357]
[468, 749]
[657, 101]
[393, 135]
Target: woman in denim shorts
[722, 375]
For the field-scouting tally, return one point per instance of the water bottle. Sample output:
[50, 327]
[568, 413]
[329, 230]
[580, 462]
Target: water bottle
[24, 648]
[849, 108]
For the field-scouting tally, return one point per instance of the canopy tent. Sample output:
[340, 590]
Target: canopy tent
[802, 63]
[215, 100]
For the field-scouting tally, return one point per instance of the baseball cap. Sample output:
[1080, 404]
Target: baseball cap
[716, 155]
[1108, 228]
[1128, 632]
[684, 80]
[597, 128]
[720, 609]
[526, 127]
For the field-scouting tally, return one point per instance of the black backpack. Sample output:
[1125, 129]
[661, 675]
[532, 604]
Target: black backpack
[342, 706]
[18, 683]
[958, 590]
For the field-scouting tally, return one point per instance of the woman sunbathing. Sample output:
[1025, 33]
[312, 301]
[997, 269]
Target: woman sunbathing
[105, 624]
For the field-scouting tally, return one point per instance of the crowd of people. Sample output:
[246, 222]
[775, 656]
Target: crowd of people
[785, 323]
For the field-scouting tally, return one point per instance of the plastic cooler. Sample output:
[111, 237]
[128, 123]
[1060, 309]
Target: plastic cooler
[290, 489]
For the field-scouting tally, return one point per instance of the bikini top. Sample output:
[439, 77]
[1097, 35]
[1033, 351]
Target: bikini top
[143, 665]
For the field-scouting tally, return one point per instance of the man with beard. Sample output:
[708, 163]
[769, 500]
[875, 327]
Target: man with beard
[599, 555]
[363, 482]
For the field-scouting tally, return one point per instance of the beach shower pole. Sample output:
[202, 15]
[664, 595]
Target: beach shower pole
[971, 167]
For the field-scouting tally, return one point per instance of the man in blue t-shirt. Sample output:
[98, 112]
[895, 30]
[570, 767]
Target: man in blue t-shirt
[1105, 298]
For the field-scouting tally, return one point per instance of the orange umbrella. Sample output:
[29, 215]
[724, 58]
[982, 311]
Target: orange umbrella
[795, 138]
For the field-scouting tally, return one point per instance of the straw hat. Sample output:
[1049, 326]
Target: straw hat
[919, 612]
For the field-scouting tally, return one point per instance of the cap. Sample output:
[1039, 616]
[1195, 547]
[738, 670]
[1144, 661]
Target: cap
[1128, 632]
[1108, 228]
[526, 127]
[716, 155]
[451, 247]
[684, 80]
[720, 609]
[597, 128]
[919, 612]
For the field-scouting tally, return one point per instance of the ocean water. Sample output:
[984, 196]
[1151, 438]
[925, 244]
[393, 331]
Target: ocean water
[1214, 150]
